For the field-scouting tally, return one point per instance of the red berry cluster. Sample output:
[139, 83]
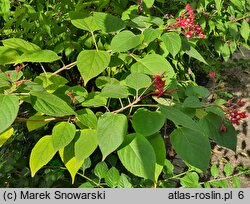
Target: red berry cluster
[187, 22]
[159, 85]
[234, 115]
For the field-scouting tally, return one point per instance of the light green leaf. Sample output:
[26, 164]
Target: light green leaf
[154, 64]
[197, 91]
[236, 182]
[148, 3]
[20, 45]
[125, 41]
[215, 171]
[190, 180]
[192, 146]
[87, 118]
[112, 177]
[68, 157]
[138, 81]
[39, 56]
[111, 131]
[245, 30]
[147, 122]
[150, 34]
[4, 136]
[228, 169]
[115, 91]
[225, 51]
[192, 52]
[172, 41]
[8, 55]
[83, 21]
[50, 104]
[94, 99]
[36, 121]
[158, 144]
[124, 182]
[91, 63]
[9, 105]
[85, 144]
[41, 154]
[62, 134]
[101, 170]
[108, 23]
[138, 157]
[104, 80]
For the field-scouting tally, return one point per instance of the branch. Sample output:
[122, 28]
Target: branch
[18, 119]
[67, 67]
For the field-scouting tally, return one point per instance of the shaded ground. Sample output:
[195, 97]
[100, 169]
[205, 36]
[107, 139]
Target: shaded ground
[238, 82]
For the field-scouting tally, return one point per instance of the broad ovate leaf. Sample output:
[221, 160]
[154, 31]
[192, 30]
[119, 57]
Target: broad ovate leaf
[85, 144]
[91, 63]
[41, 154]
[138, 157]
[137, 81]
[62, 134]
[111, 131]
[125, 41]
[172, 41]
[147, 122]
[192, 146]
[50, 104]
[9, 106]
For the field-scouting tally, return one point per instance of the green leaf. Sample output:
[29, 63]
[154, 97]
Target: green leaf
[62, 134]
[86, 144]
[91, 63]
[197, 91]
[138, 157]
[86, 164]
[124, 182]
[147, 122]
[4, 136]
[215, 171]
[87, 118]
[8, 55]
[148, 3]
[245, 30]
[83, 21]
[192, 146]
[68, 158]
[9, 105]
[158, 144]
[20, 45]
[111, 131]
[228, 169]
[94, 99]
[50, 104]
[168, 169]
[50, 81]
[150, 34]
[154, 64]
[39, 56]
[78, 92]
[236, 182]
[101, 170]
[112, 177]
[36, 121]
[192, 102]
[108, 23]
[190, 180]
[192, 52]
[102, 81]
[125, 41]
[41, 154]
[178, 117]
[172, 41]
[115, 91]
[225, 51]
[211, 124]
[138, 81]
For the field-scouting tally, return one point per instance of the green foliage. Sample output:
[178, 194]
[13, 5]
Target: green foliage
[131, 94]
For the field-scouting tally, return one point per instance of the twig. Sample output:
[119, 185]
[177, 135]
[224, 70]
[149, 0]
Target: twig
[18, 119]
[67, 67]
